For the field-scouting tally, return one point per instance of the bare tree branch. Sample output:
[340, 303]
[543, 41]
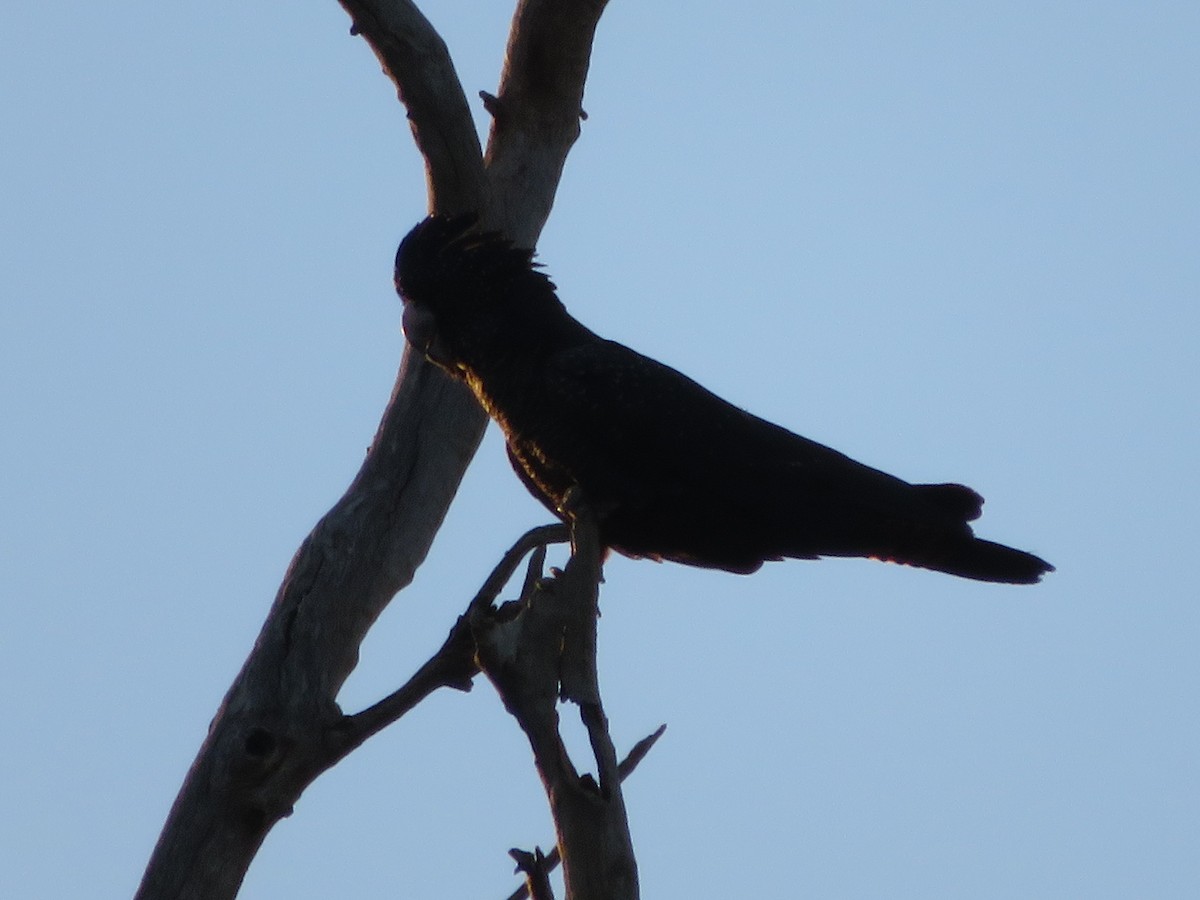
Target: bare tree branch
[535, 117]
[628, 764]
[415, 57]
[528, 658]
[536, 867]
[279, 724]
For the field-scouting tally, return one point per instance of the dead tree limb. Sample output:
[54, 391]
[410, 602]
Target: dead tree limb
[544, 652]
[273, 732]
[628, 764]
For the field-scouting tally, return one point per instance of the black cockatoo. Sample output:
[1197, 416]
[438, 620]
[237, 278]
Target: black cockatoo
[671, 471]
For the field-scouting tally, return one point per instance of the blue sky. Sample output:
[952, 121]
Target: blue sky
[958, 242]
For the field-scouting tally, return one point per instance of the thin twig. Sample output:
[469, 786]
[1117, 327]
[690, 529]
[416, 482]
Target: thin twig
[452, 666]
[530, 540]
[639, 751]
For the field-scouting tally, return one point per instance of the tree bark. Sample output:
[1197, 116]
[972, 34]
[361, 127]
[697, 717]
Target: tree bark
[279, 725]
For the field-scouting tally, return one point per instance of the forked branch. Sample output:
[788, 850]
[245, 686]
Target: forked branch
[271, 735]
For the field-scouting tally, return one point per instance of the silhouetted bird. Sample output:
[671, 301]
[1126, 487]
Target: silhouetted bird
[671, 470]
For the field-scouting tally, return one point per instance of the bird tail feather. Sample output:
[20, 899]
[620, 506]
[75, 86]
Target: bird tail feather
[980, 560]
[955, 500]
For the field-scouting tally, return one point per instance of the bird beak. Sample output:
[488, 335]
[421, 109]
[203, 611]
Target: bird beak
[420, 330]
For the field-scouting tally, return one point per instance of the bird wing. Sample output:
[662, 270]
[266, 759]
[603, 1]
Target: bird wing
[639, 415]
[638, 412]
[697, 478]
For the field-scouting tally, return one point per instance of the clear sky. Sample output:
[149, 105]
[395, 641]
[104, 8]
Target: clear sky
[956, 241]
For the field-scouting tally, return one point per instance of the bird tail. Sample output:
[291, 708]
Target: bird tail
[981, 560]
[959, 552]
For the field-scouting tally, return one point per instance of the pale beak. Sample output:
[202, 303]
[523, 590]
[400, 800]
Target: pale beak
[420, 330]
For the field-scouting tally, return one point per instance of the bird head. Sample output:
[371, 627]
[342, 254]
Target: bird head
[462, 290]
